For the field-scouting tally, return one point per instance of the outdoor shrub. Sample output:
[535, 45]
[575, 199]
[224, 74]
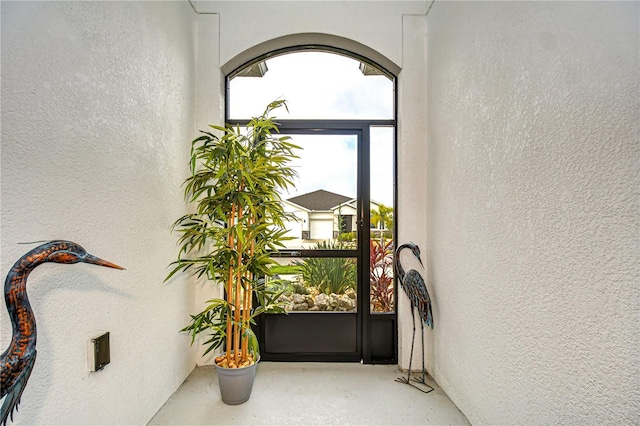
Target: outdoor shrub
[299, 288]
[284, 270]
[347, 236]
[381, 275]
[280, 286]
[329, 275]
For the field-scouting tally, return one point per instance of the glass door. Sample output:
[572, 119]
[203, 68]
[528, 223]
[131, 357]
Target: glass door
[380, 325]
[320, 266]
[336, 269]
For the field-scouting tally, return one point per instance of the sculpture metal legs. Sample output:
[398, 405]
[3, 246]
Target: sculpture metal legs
[423, 379]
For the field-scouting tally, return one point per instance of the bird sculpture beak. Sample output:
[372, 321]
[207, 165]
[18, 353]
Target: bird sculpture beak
[100, 262]
[420, 260]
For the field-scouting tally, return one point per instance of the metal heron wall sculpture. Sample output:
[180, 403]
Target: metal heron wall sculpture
[18, 360]
[413, 285]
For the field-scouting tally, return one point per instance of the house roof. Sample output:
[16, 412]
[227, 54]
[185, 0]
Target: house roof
[319, 200]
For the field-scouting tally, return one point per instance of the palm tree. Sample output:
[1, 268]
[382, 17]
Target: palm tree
[383, 218]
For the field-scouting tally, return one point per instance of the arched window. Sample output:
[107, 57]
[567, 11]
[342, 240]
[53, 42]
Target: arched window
[341, 111]
[316, 84]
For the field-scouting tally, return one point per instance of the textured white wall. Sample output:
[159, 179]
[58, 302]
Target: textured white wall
[533, 225]
[532, 186]
[377, 24]
[412, 178]
[209, 109]
[97, 112]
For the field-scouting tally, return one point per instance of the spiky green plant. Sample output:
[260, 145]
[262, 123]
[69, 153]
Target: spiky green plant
[329, 274]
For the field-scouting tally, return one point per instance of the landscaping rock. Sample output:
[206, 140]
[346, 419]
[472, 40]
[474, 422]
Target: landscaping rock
[334, 300]
[300, 307]
[347, 303]
[309, 301]
[298, 299]
[283, 299]
[322, 302]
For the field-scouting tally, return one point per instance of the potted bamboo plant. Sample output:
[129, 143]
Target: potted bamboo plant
[236, 176]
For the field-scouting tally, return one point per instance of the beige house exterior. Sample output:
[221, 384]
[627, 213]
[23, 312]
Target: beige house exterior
[320, 215]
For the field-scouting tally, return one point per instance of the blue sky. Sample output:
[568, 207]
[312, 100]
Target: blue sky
[325, 85]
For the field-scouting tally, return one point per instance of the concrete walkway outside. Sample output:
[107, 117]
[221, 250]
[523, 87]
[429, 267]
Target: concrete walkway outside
[311, 394]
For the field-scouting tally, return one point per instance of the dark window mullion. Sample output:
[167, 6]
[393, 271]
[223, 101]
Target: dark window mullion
[321, 126]
[364, 235]
[314, 253]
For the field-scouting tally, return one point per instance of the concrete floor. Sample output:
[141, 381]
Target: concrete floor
[310, 394]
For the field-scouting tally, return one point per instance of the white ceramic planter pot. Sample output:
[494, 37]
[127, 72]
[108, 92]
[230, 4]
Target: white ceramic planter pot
[236, 383]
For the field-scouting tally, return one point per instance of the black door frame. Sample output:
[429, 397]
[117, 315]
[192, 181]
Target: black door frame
[373, 330]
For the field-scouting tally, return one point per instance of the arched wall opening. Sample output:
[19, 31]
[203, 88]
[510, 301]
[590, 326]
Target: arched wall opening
[358, 143]
[310, 41]
[399, 49]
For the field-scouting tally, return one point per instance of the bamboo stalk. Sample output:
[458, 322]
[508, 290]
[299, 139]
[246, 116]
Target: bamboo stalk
[229, 294]
[246, 305]
[245, 339]
[237, 306]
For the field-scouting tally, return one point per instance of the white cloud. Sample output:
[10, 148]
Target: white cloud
[326, 162]
[381, 158]
[315, 85]
[322, 85]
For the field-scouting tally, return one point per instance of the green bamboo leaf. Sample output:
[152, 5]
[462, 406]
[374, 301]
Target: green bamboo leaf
[246, 167]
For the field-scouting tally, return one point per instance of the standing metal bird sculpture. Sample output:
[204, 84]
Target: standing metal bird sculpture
[18, 360]
[413, 285]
